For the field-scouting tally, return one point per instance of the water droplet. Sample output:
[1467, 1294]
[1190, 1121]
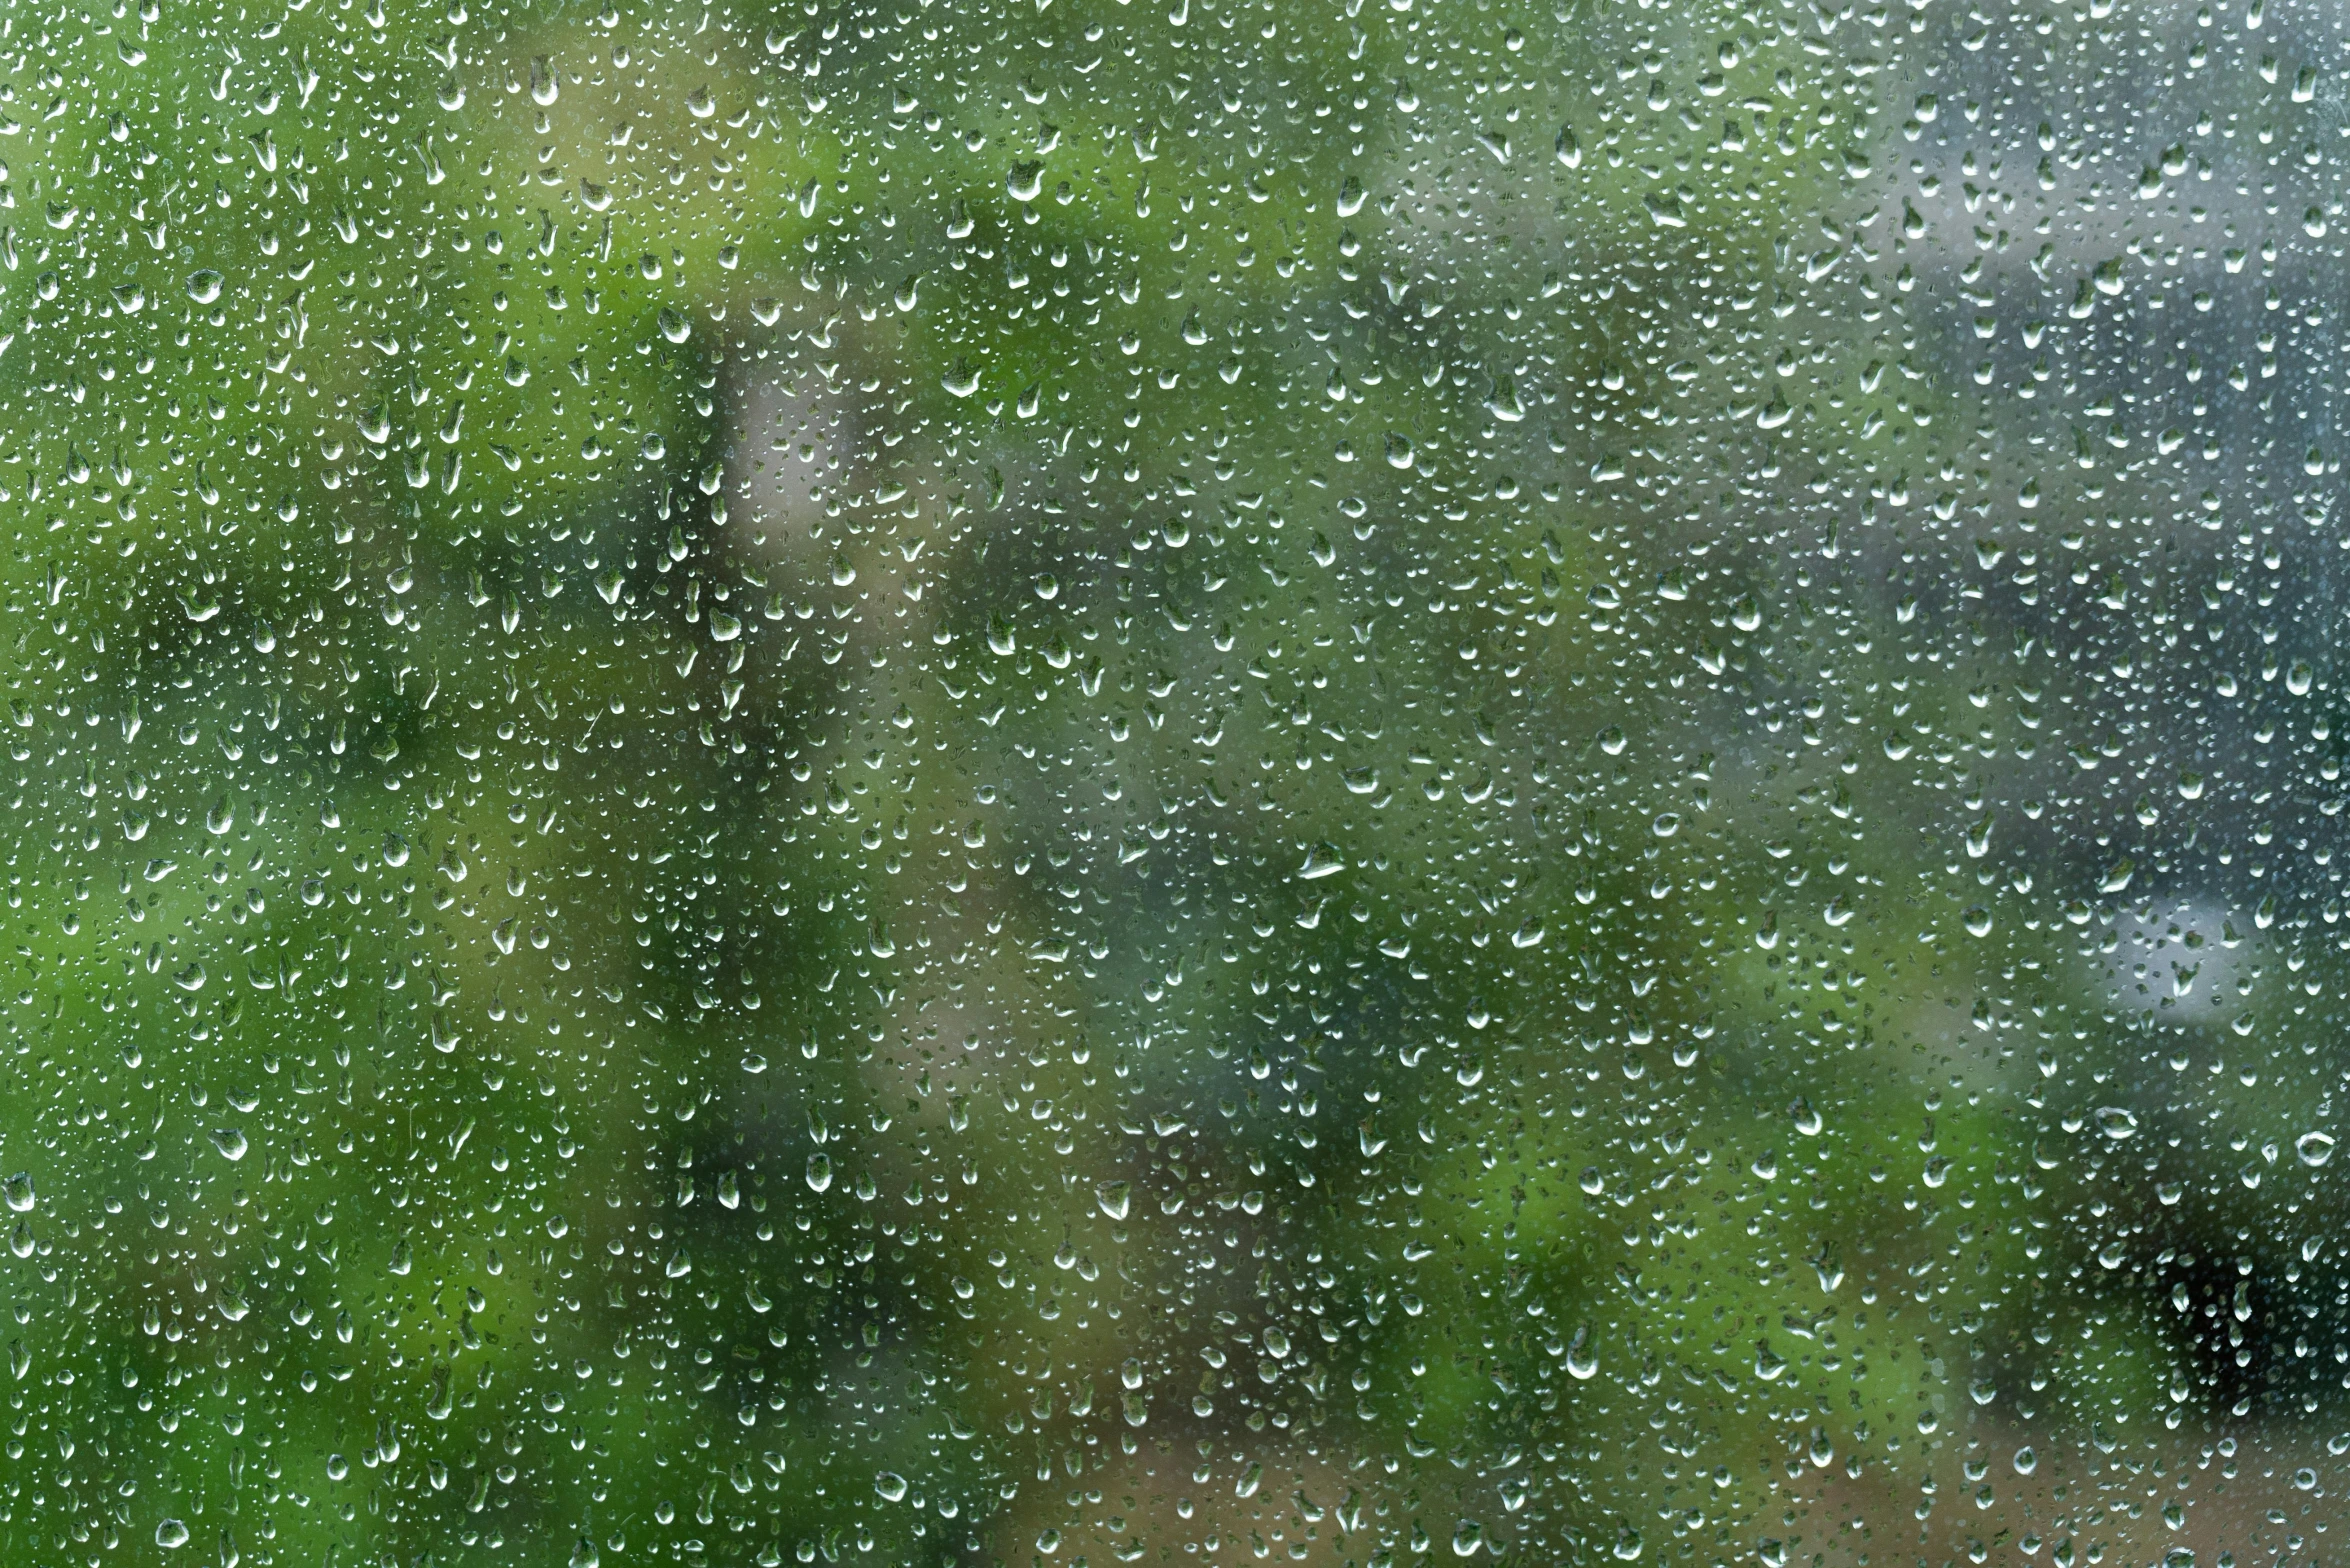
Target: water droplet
[1322, 860]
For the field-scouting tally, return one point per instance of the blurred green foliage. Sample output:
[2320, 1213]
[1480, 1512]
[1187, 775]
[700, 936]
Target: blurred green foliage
[969, 783]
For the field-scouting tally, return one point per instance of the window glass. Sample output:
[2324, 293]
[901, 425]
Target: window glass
[1051, 781]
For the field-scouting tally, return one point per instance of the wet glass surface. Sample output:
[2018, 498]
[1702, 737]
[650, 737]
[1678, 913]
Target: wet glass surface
[1063, 782]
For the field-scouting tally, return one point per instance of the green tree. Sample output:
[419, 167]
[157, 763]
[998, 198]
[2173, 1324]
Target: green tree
[976, 783]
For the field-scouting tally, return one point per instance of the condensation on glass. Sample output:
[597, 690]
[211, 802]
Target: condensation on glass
[1064, 782]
